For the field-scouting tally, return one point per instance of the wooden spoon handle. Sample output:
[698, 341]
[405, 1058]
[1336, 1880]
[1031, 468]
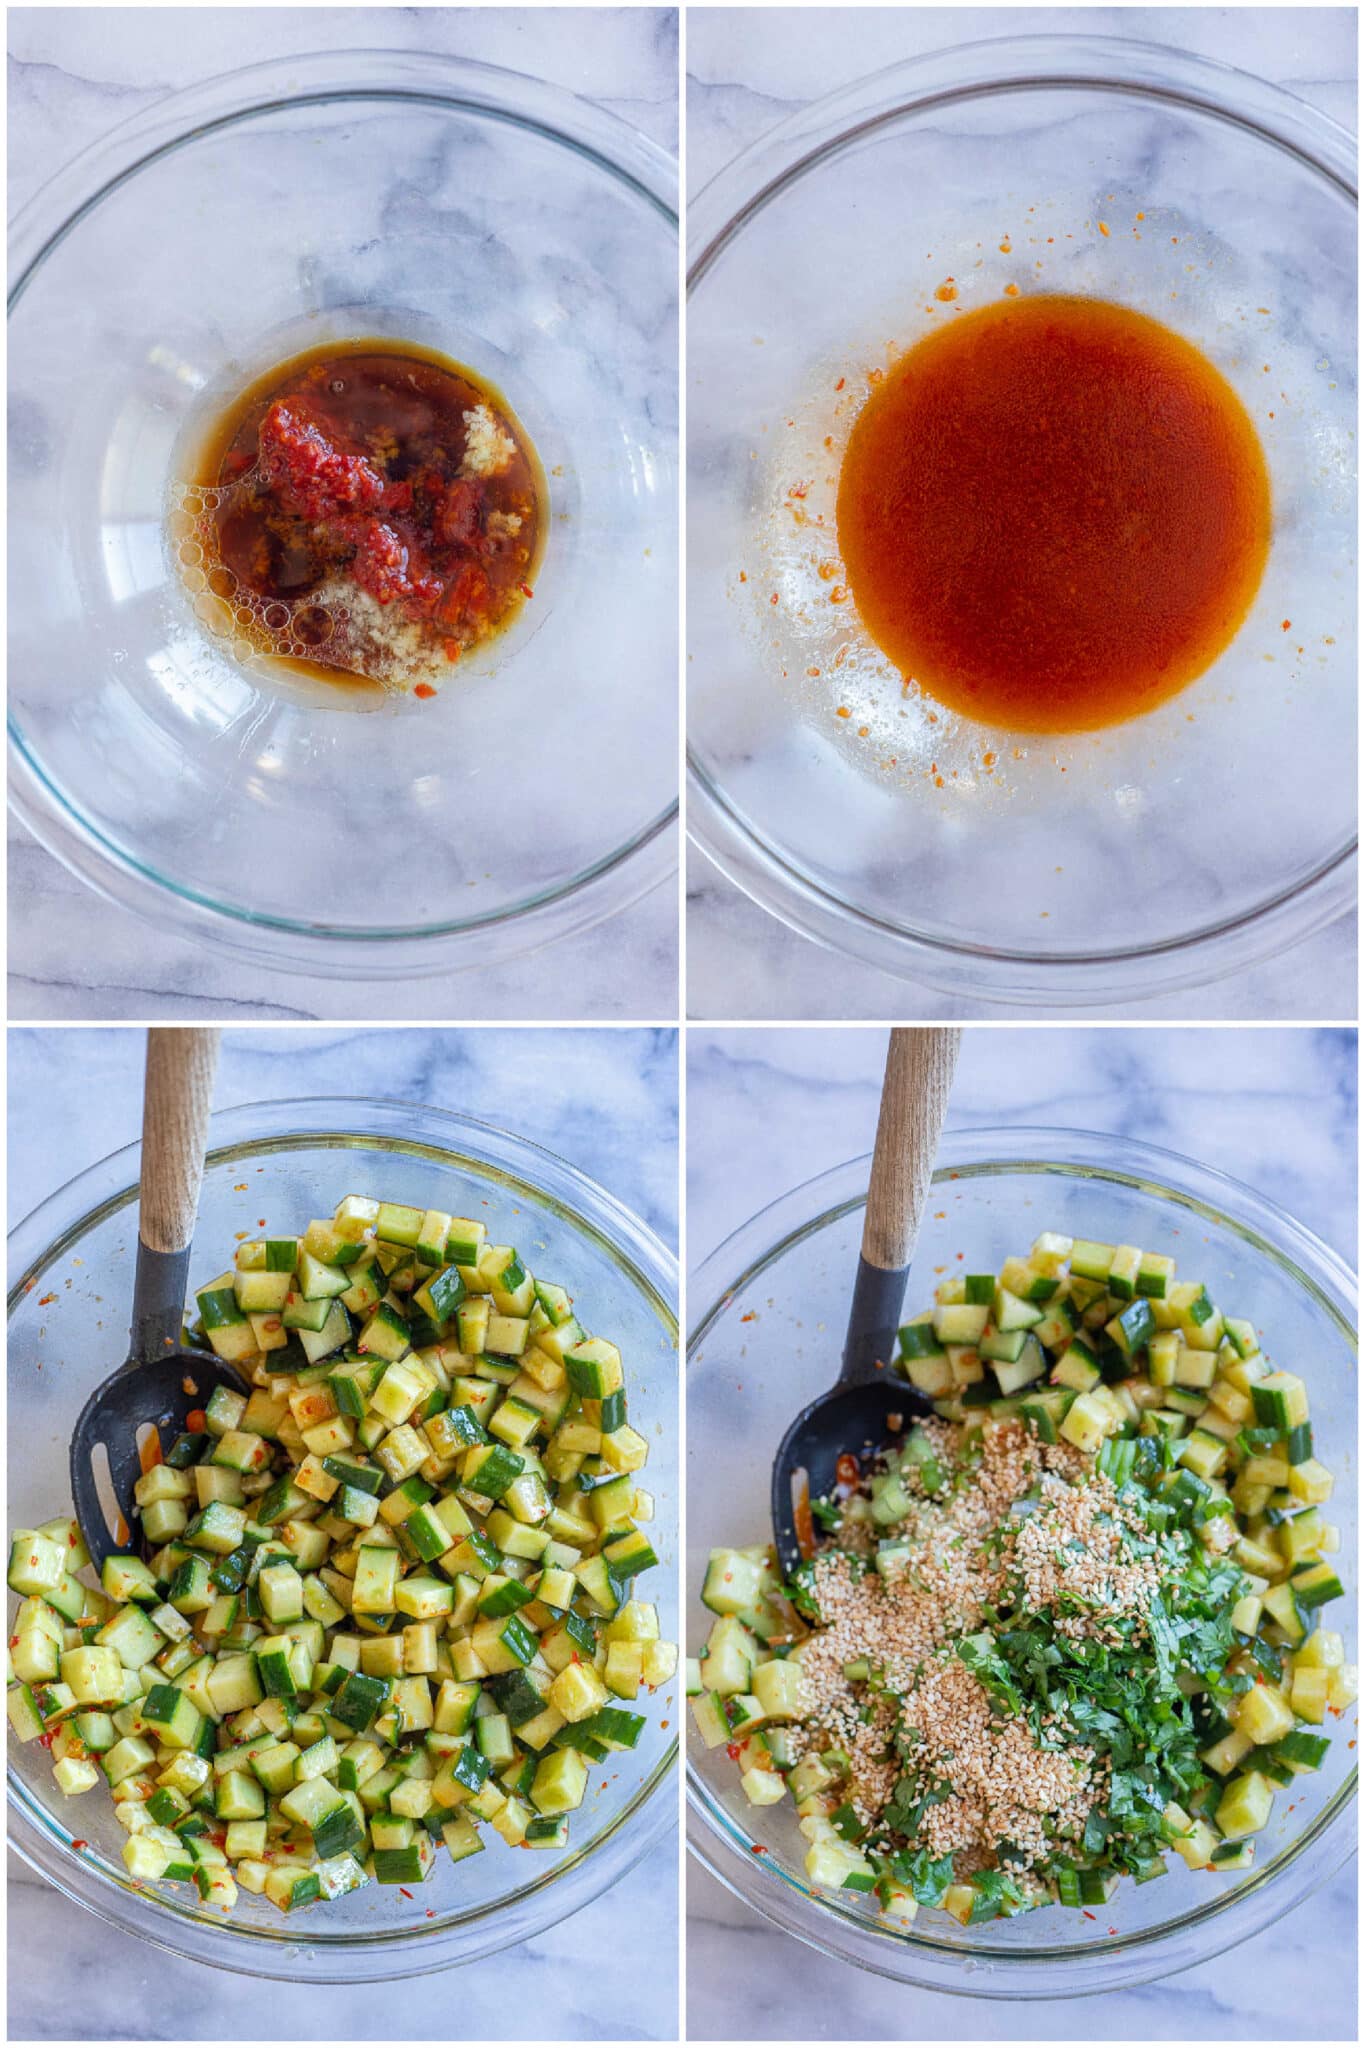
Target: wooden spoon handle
[177, 1095]
[920, 1063]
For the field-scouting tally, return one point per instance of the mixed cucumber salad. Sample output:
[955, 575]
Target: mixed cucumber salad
[1073, 1624]
[385, 1598]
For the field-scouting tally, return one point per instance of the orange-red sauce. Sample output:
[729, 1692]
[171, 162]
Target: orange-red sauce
[1053, 513]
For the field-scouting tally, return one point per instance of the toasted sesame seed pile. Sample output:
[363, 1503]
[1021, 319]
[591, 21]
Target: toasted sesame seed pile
[1017, 1521]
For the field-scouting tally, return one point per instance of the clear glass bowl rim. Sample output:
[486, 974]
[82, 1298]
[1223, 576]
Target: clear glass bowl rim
[296, 1954]
[1110, 1964]
[719, 214]
[612, 883]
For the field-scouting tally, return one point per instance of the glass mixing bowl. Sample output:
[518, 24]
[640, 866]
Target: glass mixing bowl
[71, 1290]
[1070, 869]
[767, 1319]
[486, 215]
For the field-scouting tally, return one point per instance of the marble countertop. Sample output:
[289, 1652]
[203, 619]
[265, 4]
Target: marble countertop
[745, 74]
[607, 1101]
[1276, 1108]
[73, 74]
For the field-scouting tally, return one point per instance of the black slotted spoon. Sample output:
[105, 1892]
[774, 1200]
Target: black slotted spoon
[160, 1382]
[851, 1419]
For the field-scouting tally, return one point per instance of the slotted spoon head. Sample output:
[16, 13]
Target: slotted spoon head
[157, 1394]
[162, 1381]
[859, 1421]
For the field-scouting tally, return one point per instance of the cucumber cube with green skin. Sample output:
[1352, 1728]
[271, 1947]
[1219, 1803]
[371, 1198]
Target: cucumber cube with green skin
[1123, 1272]
[94, 1674]
[36, 1564]
[336, 1331]
[518, 1695]
[560, 1782]
[546, 1831]
[465, 1241]
[289, 1887]
[491, 1468]
[507, 1279]
[319, 1282]
[1155, 1274]
[470, 1767]
[455, 1703]
[273, 1667]
[556, 1301]
[386, 1334]
[274, 1764]
[300, 1314]
[1012, 1312]
[516, 1422]
[24, 1717]
[506, 1336]
[432, 1237]
[218, 1528]
[395, 1224]
[133, 1636]
[471, 1324]
[239, 1798]
[409, 1865]
[218, 1306]
[360, 1700]
[420, 1598]
[499, 1596]
[351, 1505]
[190, 1591]
[366, 1288]
[1280, 1401]
[613, 1411]
[594, 1368]
[281, 1591]
[129, 1579]
[166, 1806]
[961, 1322]
[455, 1429]
[337, 1875]
[262, 1293]
[242, 1451]
[446, 1291]
[495, 1741]
[1002, 1347]
[173, 1717]
[1134, 1328]
[1319, 1584]
[615, 1728]
[427, 1534]
[353, 1472]
[630, 1554]
[330, 1816]
[920, 1340]
[1091, 1261]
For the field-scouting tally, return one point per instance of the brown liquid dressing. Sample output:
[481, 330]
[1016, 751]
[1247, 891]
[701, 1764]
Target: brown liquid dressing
[367, 511]
[1053, 514]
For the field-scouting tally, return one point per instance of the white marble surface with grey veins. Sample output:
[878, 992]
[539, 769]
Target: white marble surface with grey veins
[74, 73]
[608, 1102]
[768, 1109]
[750, 68]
